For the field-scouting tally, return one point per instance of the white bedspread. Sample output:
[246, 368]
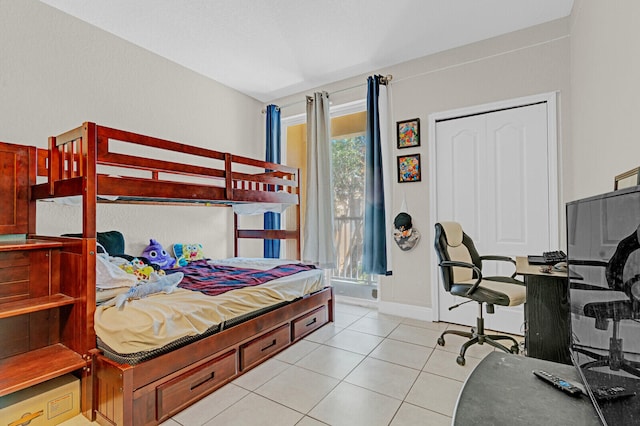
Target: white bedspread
[157, 320]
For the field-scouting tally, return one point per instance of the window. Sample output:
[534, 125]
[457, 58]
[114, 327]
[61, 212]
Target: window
[347, 151]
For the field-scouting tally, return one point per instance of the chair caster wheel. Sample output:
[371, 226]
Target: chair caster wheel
[460, 360]
[441, 341]
[473, 330]
[515, 349]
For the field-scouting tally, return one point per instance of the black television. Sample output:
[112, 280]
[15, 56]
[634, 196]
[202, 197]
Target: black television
[603, 256]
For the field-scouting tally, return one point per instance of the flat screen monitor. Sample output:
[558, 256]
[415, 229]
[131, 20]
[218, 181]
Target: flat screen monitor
[603, 255]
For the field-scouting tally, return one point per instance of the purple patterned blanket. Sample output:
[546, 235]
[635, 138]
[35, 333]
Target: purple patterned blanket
[217, 279]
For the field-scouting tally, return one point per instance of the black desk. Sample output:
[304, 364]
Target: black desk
[546, 313]
[502, 390]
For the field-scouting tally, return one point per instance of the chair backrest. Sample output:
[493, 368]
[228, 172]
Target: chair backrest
[451, 243]
[619, 272]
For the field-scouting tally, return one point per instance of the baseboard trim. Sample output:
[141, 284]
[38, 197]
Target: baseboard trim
[407, 311]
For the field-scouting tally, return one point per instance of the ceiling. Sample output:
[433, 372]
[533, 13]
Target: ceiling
[272, 49]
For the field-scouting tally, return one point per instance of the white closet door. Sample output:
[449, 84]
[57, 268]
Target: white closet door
[492, 177]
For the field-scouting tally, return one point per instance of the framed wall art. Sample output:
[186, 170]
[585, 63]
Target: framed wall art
[409, 168]
[408, 133]
[627, 179]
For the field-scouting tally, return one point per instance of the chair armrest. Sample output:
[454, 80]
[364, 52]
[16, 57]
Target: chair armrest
[501, 259]
[465, 265]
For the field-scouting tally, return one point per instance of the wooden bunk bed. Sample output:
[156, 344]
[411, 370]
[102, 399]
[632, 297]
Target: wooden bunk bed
[153, 390]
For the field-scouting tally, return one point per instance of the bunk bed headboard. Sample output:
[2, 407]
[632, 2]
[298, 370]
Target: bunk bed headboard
[101, 163]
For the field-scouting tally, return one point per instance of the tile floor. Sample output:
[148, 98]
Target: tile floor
[365, 369]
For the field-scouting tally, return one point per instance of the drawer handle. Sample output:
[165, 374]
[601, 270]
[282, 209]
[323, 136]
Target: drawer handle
[203, 380]
[26, 418]
[273, 343]
[313, 321]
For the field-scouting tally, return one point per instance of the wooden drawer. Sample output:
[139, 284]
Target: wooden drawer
[178, 392]
[264, 346]
[309, 322]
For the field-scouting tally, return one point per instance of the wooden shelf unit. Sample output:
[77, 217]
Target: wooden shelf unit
[33, 309]
[42, 304]
[37, 366]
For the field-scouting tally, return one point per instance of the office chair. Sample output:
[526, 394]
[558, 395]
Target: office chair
[626, 307]
[461, 268]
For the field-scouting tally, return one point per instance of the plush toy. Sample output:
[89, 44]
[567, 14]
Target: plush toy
[156, 254]
[186, 253]
[140, 269]
[164, 284]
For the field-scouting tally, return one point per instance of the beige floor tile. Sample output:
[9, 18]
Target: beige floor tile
[298, 388]
[350, 405]
[415, 335]
[378, 315]
[324, 333]
[383, 377]
[411, 415]
[261, 374]
[255, 410]
[210, 406]
[435, 393]
[297, 351]
[332, 362]
[354, 341]
[168, 422]
[403, 353]
[439, 326]
[375, 326]
[343, 319]
[352, 309]
[308, 421]
[444, 364]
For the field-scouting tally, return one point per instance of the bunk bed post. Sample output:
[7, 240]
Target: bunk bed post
[54, 164]
[33, 173]
[298, 222]
[87, 156]
[235, 235]
[88, 159]
[228, 177]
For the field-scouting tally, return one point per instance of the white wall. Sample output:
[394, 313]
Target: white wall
[605, 100]
[57, 72]
[531, 61]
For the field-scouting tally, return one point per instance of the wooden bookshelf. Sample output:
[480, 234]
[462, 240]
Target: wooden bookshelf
[37, 366]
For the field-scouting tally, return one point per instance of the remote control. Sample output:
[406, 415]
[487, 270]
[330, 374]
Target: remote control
[558, 382]
[614, 392]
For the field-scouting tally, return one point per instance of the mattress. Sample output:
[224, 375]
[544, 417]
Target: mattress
[161, 322]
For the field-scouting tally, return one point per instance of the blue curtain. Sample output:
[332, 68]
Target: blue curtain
[375, 245]
[272, 220]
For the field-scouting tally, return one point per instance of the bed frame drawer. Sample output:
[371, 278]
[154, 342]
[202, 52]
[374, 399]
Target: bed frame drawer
[178, 392]
[264, 346]
[309, 322]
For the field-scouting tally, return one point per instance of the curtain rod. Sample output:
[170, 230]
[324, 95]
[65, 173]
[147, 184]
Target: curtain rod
[384, 80]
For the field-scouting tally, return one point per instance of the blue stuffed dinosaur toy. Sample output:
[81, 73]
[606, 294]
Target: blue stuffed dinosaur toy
[156, 254]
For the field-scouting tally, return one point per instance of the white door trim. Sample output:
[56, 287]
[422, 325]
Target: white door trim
[552, 152]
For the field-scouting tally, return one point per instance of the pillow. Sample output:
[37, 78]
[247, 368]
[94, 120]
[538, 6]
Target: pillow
[112, 241]
[186, 253]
